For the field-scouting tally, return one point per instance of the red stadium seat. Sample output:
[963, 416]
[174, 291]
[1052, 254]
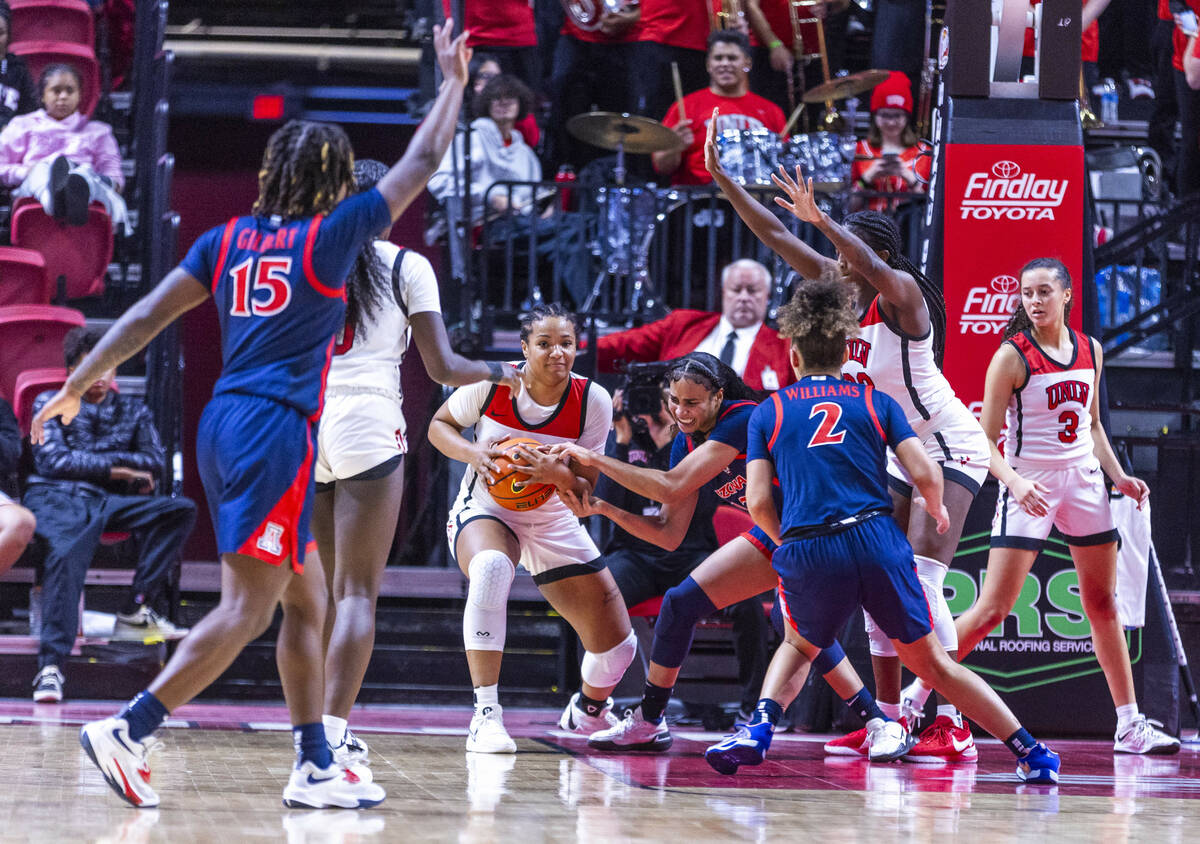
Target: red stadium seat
[729, 523]
[33, 339]
[23, 279]
[38, 54]
[30, 384]
[76, 255]
[52, 20]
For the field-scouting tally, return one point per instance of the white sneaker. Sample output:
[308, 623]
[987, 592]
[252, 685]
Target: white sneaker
[888, 740]
[123, 761]
[48, 685]
[1145, 736]
[310, 787]
[910, 709]
[351, 754]
[487, 733]
[145, 625]
[578, 721]
[633, 733]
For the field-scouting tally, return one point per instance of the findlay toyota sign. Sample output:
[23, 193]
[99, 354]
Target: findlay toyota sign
[989, 308]
[1007, 191]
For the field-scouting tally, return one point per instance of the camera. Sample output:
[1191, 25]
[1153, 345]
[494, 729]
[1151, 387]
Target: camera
[642, 389]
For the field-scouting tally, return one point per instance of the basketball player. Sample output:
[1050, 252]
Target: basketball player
[489, 541]
[277, 277]
[824, 442]
[712, 407]
[391, 296]
[898, 350]
[1044, 383]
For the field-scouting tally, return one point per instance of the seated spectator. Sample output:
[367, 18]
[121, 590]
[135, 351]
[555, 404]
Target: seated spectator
[484, 68]
[16, 523]
[891, 159]
[739, 335]
[728, 66]
[59, 156]
[93, 475]
[16, 84]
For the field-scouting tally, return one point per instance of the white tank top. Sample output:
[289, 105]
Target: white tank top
[1049, 417]
[902, 366]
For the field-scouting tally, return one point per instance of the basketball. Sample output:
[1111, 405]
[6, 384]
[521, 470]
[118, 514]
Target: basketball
[509, 489]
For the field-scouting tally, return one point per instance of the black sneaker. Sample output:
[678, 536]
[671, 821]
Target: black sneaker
[48, 685]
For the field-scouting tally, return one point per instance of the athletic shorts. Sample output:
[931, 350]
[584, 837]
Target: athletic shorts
[256, 457]
[958, 444]
[823, 580]
[358, 432]
[551, 549]
[1077, 505]
[759, 539]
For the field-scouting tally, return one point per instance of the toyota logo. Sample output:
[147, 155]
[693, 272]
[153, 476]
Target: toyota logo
[1005, 284]
[1006, 169]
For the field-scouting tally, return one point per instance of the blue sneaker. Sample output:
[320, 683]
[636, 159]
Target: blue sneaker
[747, 746]
[1039, 765]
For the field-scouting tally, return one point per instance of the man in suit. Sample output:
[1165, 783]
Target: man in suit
[738, 335]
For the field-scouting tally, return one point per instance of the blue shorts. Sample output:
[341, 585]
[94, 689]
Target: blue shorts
[256, 462]
[759, 539]
[824, 578]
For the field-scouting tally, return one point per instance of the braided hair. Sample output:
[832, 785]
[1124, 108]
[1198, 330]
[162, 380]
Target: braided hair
[368, 280]
[305, 169]
[879, 231]
[544, 311]
[1020, 320]
[711, 374]
[818, 319]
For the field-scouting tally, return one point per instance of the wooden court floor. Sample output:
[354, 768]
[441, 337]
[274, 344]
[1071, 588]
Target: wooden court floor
[222, 770]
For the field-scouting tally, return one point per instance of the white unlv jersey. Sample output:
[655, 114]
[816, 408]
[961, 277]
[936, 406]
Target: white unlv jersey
[1050, 417]
[901, 366]
[368, 360]
[582, 415]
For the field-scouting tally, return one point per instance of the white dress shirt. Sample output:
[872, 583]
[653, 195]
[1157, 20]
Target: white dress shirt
[715, 342]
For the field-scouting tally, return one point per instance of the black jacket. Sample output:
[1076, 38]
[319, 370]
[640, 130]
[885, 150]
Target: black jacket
[16, 88]
[10, 448]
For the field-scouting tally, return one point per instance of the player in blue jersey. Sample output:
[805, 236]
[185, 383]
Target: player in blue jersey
[712, 408]
[824, 441]
[277, 278]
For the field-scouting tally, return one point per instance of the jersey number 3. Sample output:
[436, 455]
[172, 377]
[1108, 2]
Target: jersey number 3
[831, 414]
[1070, 421]
[250, 281]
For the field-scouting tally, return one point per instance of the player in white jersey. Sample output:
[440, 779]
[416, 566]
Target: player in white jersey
[489, 541]
[898, 351]
[392, 297]
[1045, 379]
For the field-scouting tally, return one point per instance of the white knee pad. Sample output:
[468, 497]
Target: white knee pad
[932, 575]
[606, 669]
[881, 645]
[486, 614]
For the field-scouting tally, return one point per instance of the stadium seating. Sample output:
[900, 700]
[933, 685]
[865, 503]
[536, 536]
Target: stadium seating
[33, 339]
[30, 384]
[38, 54]
[52, 20]
[23, 279]
[77, 257]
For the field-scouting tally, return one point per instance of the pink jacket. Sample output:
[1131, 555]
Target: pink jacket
[30, 138]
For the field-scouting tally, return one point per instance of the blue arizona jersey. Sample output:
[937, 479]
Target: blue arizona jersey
[729, 485]
[279, 287]
[828, 440]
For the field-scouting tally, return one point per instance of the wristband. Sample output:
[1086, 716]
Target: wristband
[495, 372]
[776, 43]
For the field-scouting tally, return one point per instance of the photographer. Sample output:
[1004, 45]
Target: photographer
[891, 159]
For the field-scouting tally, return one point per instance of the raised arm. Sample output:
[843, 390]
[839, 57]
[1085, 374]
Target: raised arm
[766, 226]
[1127, 484]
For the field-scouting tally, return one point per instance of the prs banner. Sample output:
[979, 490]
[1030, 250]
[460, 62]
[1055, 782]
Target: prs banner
[1005, 204]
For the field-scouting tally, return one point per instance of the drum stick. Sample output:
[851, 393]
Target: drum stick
[678, 91]
[791, 121]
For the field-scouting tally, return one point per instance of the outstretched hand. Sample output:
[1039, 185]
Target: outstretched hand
[64, 404]
[803, 202]
[453, 55]
[712, 160]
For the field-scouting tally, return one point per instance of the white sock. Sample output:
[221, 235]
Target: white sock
[951, 712]
[486, 697]
[918, 693]
[891, 710]
[1126, 715]
[335, 729]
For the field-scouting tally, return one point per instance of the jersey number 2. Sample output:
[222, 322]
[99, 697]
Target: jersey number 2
[270, 275]
[1070, 421]
[831, 414]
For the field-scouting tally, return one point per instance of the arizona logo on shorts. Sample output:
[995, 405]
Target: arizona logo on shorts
[270, 539]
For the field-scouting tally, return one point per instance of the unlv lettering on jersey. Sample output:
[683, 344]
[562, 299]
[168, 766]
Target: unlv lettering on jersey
[1064, 391]
[858, 349]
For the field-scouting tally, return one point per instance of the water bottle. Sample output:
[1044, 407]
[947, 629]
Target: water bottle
[1108, 102]
[566, 173]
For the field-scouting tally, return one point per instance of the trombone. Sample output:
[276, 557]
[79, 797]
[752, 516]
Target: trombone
[732, 15]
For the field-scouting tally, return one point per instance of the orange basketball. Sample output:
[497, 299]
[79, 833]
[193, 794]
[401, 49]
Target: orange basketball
[509, 490]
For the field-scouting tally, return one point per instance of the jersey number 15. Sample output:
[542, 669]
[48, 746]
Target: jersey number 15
[252, 280]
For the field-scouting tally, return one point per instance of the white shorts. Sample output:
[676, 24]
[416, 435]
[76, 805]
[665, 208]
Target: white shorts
[552, 548]
[1078, 507]
[958, 444]
[358, 432]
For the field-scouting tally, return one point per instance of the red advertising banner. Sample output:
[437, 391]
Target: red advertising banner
[1004, 205]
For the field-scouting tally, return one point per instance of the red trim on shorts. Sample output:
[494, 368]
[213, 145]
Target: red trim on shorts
[223, 254]
[784, 607]
[284, 518]
[871, 410]
[753, 540]
[778, 421]
[309, 272]
[324, 376]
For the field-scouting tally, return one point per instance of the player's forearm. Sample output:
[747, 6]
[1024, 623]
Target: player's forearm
[449, 441]
[649, 483]
[433, 136]
[1000, 467]
[653, 529]
[857, 254]
[770, 230]
[1103, 451]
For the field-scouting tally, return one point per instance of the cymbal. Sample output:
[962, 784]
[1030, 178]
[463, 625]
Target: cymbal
[607, 129]
[845, 87]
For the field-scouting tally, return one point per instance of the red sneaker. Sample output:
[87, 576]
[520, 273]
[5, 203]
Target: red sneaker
[857, 743]
[944, 741]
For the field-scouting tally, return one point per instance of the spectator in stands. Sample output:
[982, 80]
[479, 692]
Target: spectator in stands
[738, 335]
[1160, 131]
[484, 68]
[773, 42]
[1191, 63]
[59, 156]
[16, 84]
[507, 30]
[16, 523]
[891, 159]
[93, 475]
[1187, 27]
[728, 66]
